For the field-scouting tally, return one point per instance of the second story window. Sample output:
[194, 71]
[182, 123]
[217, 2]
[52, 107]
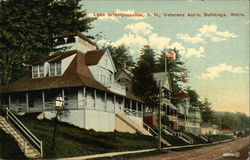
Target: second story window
[35, 71]
[55, 68]
[38, 71]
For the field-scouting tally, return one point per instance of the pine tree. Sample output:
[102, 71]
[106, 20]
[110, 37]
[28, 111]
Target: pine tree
[144, 85]
[175, 67]
[121, 56]
[27, 30]
[148, 56]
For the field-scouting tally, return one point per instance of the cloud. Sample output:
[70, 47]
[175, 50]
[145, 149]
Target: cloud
[187, 38]
[140, 28]
[193, 52]
[206, 33]
[141, 33]
[215, 72]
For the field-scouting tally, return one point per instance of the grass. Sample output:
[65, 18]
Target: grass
[73, 141]
[216, 138]
[9, 148]
[196, 140]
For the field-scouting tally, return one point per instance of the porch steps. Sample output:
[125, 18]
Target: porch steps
[180, 135]
[149, 131]
[24, 145]
[133, 124]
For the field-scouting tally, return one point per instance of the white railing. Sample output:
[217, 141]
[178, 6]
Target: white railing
[178, 134]
[27, 133]
[132, 112]
[149, 129]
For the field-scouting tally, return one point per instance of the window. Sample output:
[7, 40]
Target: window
[58, 68]
[35, 71]
[52, 69]
[38, 71]
[41, 70]
[55, 68]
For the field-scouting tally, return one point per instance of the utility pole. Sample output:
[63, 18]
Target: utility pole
[159, 117]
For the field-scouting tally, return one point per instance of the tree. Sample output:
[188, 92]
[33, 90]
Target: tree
[144, 85]
[28, 28]
[148, 56]
[175, 68]
[206, 111]
[121, 56]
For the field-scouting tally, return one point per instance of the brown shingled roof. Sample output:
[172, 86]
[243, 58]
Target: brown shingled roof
[77, 74]
[180, 95]
[93, 57]
[57, 57]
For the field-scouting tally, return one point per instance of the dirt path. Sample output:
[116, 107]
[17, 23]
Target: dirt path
[214, 152]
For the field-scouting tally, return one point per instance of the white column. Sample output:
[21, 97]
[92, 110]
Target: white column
[105, 100]
[123, 104]
[136, 106]
[43, 99]
[95, 98]
[9, 98]
[114, 102]
[130, 105]
[27, 101]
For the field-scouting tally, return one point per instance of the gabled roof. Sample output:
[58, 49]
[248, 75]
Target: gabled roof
[93, 57]
[180, 95]
[56, 57]
[77, 74]
[130, 74]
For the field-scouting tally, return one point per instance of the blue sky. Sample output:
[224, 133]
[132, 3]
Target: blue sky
[215, 49]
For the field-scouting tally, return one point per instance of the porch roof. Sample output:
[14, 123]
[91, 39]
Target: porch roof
[76, 75]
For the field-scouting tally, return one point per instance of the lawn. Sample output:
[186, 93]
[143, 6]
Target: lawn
[74, 141]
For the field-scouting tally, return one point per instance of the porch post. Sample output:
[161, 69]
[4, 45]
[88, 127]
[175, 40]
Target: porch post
[130, 105]
[114, 102]
[123, 103]
[43, 100]
[94, 98]
[27, 101]
[105, 99]
[136, 108]
[9, 98]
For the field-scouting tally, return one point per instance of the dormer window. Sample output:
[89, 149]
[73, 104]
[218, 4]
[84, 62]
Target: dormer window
[38, 71]
[55, 68]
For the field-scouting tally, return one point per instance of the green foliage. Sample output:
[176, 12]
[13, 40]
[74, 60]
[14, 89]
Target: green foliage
[9, 148]
[148, 56]
[235, 121]
[121, 56]
[165, 120]
[174, 67]
[144, 85]
[27, 30]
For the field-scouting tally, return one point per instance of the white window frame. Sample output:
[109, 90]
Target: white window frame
[38, 71]
[56, 72]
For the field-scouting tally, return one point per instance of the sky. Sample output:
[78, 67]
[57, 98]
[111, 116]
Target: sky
[213, 43]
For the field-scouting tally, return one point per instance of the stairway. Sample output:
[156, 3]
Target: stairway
[24, 145]
[180, 135]
[133, 124]
[148, 131]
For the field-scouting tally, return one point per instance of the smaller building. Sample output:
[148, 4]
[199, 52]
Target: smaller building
[209, 129]
[124, 78]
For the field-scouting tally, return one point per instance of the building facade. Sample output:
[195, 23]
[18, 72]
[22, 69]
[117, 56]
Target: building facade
[84, 77]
